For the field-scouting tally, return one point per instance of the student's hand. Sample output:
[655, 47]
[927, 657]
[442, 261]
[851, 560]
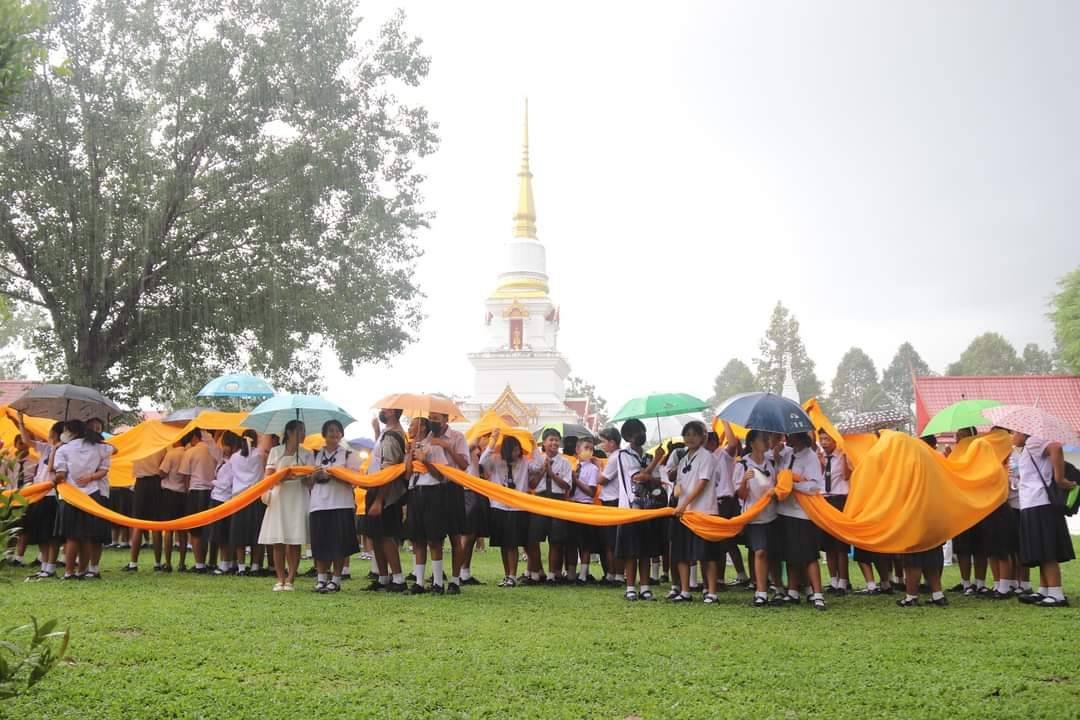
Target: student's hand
[376, 506]
[747, 476]
[419, 454]
[679, 510]
[83, 481]
[660, 455]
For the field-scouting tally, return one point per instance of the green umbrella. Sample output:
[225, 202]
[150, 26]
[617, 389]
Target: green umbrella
[660, 405]
[966, 413]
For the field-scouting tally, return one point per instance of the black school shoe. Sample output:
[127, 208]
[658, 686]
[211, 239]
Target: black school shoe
[1051, 602]
[940, 602]
[395, 587]
[417, 589]
[907, 602]
[453, 589]
[957, 588]
[130, 568]
[471, 581]
[759, 602]
[436, 589]
[91, 575]
[1029, 597]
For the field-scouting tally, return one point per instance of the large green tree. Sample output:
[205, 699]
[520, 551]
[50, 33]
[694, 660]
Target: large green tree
[1066, 317]
[896, 380]
[735, 378]
[855, 387]
[1036, 361]
[214, 185]
[988, 354]
[782, 341]
[19, 50]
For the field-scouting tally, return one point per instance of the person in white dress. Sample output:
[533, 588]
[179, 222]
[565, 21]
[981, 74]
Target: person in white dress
[285, 525]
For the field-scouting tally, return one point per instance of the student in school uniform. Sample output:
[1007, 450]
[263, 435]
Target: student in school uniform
[968, 545]
[635, 477]
[727, 503]
[802, 538]
[426, 521]
[173, 501]
[197, 467]
[93, 572]
[146, 505]
[447, 446]
[333, 510]
[587, 539]
[217, 533]
[40, 517]
[756, 477]
[507, 465]
[835, 472]
[477, 514]
[285, 522]
[247, 463]
[610, 442]
[550, 480]
[81, 462]
[1044, 537]
[917, 566]
[383, 505]
[694, 490]
[25, 471]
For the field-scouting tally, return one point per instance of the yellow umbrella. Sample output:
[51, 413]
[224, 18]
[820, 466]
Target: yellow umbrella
[415, 405]
[492, 421]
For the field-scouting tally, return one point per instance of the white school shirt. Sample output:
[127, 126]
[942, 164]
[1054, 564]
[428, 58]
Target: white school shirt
[610, 491]
[560, 468]
[764, 480]
[79, 458]
[692, 468]
[588, 475]
[279, 459]
[723, 473]
[334, 494]
[631, 463]
[26, 472]
[223, 479]
[43, 474]
[171, 479]
[438, 456]
[839, 480]
[496, 470]
[246, 471]
[804, 463]
[148, 466]
[199, 465]
[1033, 461]
[1014, 478]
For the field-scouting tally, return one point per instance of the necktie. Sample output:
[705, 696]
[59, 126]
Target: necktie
[828, 474]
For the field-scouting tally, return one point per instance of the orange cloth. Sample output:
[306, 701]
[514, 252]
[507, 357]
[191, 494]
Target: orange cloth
[905, 497]
[491, 421]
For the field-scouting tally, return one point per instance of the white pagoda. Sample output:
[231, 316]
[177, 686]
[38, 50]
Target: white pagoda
[520, 373]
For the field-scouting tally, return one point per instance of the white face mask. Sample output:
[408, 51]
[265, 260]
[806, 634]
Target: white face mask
[65, 437]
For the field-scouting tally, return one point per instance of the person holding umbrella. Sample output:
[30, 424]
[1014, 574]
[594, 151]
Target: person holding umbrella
[82, 461]
[332, 509]
[285, 523]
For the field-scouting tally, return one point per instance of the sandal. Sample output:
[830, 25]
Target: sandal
[320, 587]
[819, 603]
[907, 602]
[630, 595]
[646, 595]
[332, 587]
[672, 595]
[709, 599]
[683, 598]
[1053, 602]
[759, 602]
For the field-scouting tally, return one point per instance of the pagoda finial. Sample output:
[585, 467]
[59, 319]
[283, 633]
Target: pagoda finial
[525, 217]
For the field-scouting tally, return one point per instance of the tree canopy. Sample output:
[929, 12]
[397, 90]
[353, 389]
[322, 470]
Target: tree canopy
[1066, 318]
[1037, 361]
[735, 378]
[988, 354]
[19, 50]
[855, 388]
[214, 185]
[781, 341]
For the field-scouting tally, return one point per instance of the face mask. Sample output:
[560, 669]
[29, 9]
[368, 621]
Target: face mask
[65, 437]
[383, 418]
[436, 429]
[585, 455]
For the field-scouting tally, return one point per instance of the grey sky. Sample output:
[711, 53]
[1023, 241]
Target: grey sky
[891, 172]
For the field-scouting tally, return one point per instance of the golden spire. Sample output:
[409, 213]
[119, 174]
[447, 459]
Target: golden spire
[525, 217]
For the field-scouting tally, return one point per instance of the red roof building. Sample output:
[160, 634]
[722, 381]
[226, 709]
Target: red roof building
[1056, 394]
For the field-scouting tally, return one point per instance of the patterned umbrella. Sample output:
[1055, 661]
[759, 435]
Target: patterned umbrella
[1034, 422]
[868, 422]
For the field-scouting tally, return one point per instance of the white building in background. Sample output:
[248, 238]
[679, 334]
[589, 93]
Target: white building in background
[520, 373]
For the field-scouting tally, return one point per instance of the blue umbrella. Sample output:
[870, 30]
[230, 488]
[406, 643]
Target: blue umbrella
[271, 415]
[766, 412]
[237, 385]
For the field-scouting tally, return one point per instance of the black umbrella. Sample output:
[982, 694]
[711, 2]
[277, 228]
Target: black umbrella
[567, 430]
[66, 402]
[767, 412]
[184, 415]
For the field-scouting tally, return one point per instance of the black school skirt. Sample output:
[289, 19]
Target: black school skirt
[1044, 536]
[333, 534]
[828, 542]
[801, 540]
[245, 524]
[455, 510]
[643, 539]
[1001, 532]
[477, 514]
[871, 558]
[509, 528]
[970, 542]
[931, 561]
[172, 504]
[765, 536]
[74, 524]
[540, 526]
[728, 507]
[610, 532]
[427, 521]
[217, 532]
[196, 501]
[39, 521]
[146, 504]
[121, 500]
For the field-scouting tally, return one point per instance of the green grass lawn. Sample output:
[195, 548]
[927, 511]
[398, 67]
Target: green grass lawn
[185, 646]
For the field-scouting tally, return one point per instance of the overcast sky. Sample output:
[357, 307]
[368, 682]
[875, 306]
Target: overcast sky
[890, 171]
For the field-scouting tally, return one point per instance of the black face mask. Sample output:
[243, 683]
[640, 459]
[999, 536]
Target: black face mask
[382, 417]
[436, 429]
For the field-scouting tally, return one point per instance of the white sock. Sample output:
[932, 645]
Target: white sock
[336, 579]
[48, 567]
[92, 568]
[242, 567]
[200, 566]
[437, 571]
[793, 593]
[1056, 592]
[256, 567]
[630, 588]
[644, 587]
[610, 577]
[466, 573]
[321, 577]
[684, 594]
[654, 568]
[418, 572]
[374, 564]
[693, 575]
[817, 596]
[843, 584]
[398, 578]
[345, 572]
[583, 571]
[910, 597]
[966, 584]
[871, 585]
[456, 581]
[133, 564]
[535, 576]
[1025, 585]
[758, 594]
[980, 584]
[19, 558]
[937, 595]
[834, 583]
[619, 577]
[1043, 591]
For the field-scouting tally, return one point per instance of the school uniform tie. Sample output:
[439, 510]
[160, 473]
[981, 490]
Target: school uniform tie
[828, 474]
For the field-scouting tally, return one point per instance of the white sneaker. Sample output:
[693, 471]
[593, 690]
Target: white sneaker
[288, 587]
[278, 587]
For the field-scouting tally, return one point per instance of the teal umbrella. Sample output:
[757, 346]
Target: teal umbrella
[271, 415]
[237, 385]
[966, 413]
[660, 405]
